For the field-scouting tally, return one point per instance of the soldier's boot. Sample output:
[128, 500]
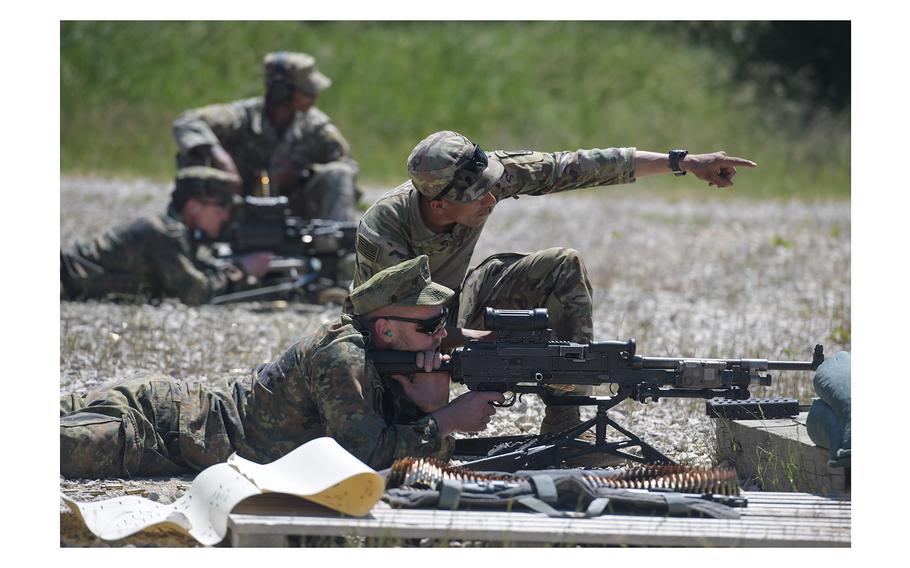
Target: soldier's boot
[559, 418]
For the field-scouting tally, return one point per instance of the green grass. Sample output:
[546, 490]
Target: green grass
[542, 85]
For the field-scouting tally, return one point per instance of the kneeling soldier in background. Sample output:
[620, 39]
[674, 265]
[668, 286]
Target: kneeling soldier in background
[279, 143]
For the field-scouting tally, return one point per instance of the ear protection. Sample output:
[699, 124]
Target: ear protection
[279, 89]
[388, 332]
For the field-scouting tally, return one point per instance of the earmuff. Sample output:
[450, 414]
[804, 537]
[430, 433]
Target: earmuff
[279, 89]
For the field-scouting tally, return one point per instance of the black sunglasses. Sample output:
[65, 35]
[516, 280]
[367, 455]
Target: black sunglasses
[470, 171]
[430, 326]
[217, 203]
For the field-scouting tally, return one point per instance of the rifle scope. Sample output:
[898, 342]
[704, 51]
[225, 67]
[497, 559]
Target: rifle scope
[516, 320]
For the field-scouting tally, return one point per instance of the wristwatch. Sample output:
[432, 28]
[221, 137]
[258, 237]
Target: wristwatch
[675, 156]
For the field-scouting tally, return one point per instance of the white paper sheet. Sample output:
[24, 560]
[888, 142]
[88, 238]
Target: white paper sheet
[340, 482]
[320, 470]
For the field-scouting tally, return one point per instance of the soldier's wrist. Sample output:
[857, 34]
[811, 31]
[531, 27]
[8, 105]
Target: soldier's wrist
[444, 424]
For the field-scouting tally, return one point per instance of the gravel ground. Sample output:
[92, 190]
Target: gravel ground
[709, 278]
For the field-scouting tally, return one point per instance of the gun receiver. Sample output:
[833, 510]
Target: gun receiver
[266, 224]
[308, 252]
[524, 360]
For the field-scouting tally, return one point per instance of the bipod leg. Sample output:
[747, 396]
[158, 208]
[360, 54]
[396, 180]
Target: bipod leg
[552, 451]
[650, 452]
[600, 422]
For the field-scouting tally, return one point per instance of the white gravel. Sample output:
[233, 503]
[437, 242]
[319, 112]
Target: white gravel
[719, 277]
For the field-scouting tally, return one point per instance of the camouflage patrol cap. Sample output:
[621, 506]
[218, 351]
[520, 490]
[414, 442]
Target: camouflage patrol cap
[295, 69]
[205, 183]
[446, 165]
[405, 284]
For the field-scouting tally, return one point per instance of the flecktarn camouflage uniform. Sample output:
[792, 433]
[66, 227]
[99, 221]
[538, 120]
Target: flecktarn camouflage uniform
[392, 229]
[322, 386]
[310, 143]
[154, 257]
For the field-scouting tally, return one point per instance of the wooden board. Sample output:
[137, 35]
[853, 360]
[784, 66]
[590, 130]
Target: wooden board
[771, 519]
[779, 455]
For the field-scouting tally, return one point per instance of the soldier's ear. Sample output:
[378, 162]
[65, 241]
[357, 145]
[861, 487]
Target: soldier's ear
[380, 327]
[438, 206]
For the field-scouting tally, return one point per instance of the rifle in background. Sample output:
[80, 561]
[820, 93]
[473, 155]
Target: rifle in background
[313, 257]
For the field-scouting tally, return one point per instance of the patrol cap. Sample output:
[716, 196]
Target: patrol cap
[446, 165]
[296, 69]
[405, 284]
[205, 183]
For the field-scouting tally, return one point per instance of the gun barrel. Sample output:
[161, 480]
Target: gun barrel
[818, 357]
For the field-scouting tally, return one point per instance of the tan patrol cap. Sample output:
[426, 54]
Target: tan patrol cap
[446, 165]
[295, 69]
[206, 183]
[405, 284]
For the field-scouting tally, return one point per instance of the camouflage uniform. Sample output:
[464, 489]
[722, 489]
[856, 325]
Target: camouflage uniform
[392, 229]
[154, 257]
[310, 143]
[321, 386]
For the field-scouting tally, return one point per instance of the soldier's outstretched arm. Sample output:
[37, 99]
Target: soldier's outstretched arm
[716, 168]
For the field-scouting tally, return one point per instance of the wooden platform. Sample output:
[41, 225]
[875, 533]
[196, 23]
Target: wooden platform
[779, 455]
[771, 519]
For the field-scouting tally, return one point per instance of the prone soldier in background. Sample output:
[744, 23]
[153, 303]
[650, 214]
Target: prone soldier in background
[162, 256]
[442, 209]
[279, 144]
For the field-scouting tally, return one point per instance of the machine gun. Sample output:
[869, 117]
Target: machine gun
[309, 254]
[524, 360]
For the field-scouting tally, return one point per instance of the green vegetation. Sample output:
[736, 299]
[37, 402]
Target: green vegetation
[542, 85]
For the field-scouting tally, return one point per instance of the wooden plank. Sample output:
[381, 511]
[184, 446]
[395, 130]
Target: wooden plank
[778, 526]
[784, 512]
[520, 527]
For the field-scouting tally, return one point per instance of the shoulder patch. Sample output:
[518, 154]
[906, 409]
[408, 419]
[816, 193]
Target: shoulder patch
[367, 249]
[518, 156]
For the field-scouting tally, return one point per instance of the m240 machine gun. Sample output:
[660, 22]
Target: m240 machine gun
[524, 360]
[311, 256]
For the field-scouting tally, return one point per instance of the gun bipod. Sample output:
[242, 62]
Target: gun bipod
[512, 453]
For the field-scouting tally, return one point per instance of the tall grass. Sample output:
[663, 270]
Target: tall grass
[541, 85]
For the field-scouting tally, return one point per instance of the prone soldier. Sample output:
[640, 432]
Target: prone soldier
[323, 385]
[279, 144]
[163, 256]
[453, 188]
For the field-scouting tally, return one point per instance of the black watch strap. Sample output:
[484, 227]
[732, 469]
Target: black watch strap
[676, 155]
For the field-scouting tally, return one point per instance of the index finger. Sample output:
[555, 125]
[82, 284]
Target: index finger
[495, 396]
[734, 161]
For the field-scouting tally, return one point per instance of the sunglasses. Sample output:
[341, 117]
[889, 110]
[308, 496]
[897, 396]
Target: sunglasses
[215, 203]
[430, 326]
[469, 172]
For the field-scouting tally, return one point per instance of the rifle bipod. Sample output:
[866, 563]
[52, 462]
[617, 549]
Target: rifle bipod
[533, 451]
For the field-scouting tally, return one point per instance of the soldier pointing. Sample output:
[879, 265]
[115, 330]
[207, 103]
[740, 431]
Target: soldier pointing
[454, 186]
